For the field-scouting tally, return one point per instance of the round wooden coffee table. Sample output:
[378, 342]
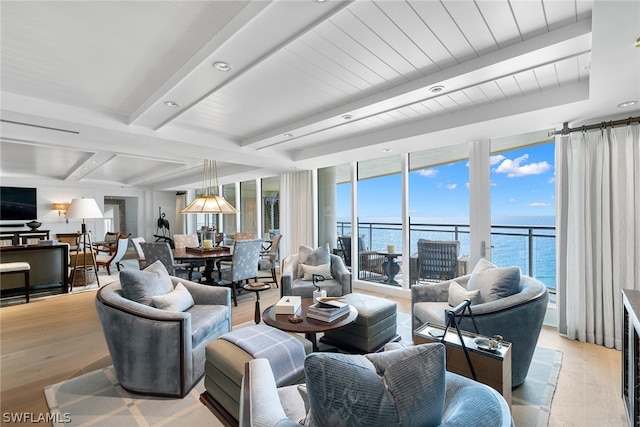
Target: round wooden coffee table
[309, 327]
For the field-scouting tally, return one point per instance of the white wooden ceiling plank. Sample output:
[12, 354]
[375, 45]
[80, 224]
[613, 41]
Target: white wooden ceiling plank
[448, 103]
[413, 26]
[527, 82]
[331, 31]
[433, 106]
[314, 74]
[329, 69]
[372, 42]
[559, 13]
[500, 20]
[343, 57]
[568, 71]
[377, 20]
[509, 87]
[439, 21]
[546, 76]
[461, 99]
[530, 18]
[468, 18]
[477, 96]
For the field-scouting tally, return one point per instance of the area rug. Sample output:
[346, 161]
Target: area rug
[531, 402]
[97, 399]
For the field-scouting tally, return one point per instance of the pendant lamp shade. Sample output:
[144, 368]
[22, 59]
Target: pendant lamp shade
[209, 205]
[209, 202]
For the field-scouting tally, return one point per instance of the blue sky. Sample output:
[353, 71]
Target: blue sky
[522, 184]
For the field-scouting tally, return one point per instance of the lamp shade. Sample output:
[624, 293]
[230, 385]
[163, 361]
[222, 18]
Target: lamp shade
[209, 205]
[83, 208]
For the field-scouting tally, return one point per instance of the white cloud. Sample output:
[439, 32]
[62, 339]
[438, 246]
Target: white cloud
[429, 173]
[512, 200]
[451, 186]
[494, 160]
[513, 168]
[538, 205]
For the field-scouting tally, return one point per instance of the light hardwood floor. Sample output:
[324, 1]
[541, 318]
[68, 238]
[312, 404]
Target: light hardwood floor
[53, 339]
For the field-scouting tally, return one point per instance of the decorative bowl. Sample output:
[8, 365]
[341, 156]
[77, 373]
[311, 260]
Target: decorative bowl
[33, 225]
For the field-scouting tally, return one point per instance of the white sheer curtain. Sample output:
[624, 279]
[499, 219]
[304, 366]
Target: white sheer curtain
[296, 211]
[598, 230]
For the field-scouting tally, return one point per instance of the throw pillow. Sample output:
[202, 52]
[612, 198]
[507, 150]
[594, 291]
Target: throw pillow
[141, 285]
[310, 256]
[323, 270]
[494, 282]
[457, 294]
[377, 389]
[178, 300]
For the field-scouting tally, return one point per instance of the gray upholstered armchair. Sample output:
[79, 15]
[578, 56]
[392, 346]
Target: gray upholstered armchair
[518, 317]
[297, 270]
[157, 351]
[378, 389]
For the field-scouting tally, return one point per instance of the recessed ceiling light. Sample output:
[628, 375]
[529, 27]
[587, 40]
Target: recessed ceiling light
[627, 104]
[386, 150]
[436, 89]
[172, 104]
[221, 66]
[347, 117]
[288, 135]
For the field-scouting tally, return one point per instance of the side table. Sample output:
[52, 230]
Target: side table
[390, 266]
[257, 287]
[492, 368]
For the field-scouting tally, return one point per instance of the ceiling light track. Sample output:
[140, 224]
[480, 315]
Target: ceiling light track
[39, 126]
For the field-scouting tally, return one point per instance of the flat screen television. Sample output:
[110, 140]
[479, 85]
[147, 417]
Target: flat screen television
[18, 204]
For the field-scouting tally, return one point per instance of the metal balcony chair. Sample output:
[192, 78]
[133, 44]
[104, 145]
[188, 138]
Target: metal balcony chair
[436, 261]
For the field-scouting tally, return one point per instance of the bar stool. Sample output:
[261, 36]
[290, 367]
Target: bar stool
[17, 267]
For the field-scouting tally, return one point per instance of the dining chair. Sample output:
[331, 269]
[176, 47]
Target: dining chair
[115, 257]
[108, 245]
[243, 265]
[183, 241]
[161, 251]
[142, 263]
[269, 258]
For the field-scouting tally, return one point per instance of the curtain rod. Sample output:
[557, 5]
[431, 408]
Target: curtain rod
[567, 130]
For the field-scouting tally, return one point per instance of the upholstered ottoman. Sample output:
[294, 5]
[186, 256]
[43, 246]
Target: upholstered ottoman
[225, 364]
[374, 327]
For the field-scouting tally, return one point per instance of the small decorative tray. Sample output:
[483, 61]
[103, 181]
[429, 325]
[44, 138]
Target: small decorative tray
[488, 344]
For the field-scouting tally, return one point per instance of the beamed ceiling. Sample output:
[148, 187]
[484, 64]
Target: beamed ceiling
[85, 84]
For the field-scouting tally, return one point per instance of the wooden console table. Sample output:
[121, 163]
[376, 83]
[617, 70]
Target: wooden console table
[24, 237]
[49, 264]
[492, 368]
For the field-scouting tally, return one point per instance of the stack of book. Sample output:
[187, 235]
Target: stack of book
[327, 311]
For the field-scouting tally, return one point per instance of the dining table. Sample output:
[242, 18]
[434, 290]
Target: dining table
[209, 255]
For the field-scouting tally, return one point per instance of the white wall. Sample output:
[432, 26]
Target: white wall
[51, 191]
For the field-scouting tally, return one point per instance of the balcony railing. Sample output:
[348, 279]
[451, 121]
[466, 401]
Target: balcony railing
[531, 247]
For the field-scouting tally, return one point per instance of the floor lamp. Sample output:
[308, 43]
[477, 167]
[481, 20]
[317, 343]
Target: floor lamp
[83, 209]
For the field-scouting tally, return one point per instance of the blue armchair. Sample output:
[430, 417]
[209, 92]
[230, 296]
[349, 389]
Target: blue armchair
[400, 387]
[156, 351]
[518, 317]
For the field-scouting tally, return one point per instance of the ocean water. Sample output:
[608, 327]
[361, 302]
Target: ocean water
[507, 250]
